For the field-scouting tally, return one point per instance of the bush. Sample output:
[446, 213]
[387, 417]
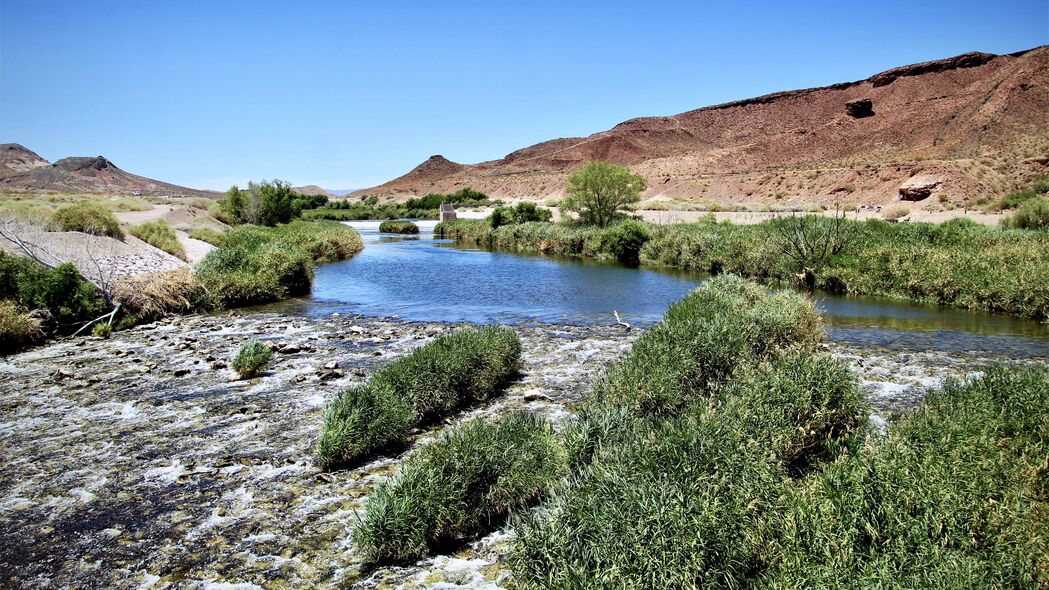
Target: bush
[1032, 214]
[432, 382]
[18, 329]
[87, 218]
[623, 241]
[66, 296]
[263, 203]
[523, 212]
[324, 241]
[398, 227]
[160, 235]
[207, 234]
[461, 485]
[252, 358]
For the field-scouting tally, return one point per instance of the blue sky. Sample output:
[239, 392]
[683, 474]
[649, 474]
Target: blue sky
[350, 94]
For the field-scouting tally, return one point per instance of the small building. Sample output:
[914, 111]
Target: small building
[447, 212]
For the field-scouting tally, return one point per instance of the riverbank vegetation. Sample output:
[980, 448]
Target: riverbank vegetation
[398, 227]
[453, 371]
[266, 203]
[255, 264]
[958, 263]
[597, 191]
[425, 207]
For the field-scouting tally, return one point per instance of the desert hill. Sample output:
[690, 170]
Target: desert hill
[22, 169]
[959, 129]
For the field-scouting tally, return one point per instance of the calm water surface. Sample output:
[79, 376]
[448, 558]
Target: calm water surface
[420, 278]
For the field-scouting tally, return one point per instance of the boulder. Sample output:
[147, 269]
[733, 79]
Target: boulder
[859, 108]
[919, 187]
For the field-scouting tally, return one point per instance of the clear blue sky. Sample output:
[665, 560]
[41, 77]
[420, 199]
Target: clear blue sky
[350, 94]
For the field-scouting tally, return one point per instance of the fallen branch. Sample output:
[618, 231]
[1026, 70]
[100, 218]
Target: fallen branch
[620, 321]
[109, 315]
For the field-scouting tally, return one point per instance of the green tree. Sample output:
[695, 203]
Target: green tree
[598, 190]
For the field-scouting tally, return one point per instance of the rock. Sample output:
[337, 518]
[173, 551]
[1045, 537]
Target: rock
[181, 372]
[290, 349]
[860, 108]
[331, 365]
[919, 187]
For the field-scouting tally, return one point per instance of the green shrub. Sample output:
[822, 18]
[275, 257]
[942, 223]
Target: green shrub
[461, 485]
[453, 371]
[252, 358]
[17, 329]
[1032, 214]
[66, 296]
[622, 241]
[398, 227]
[160, 235]
[207, 234]
[88, 218]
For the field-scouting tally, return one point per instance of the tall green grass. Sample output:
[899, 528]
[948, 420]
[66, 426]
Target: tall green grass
[691, 500]
[432, 382]
[463, 484]
[88, 218]
[256, 264]
[160, 234]
[955, 496]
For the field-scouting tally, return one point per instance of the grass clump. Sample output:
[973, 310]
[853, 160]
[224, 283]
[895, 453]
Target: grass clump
[18, 329]
[703, 340]
[252, 358]
[1032, 214]
[691, 500]
[207, 234]
[88, 218]
[461, 485]
[895, 212]
[153, 295]
[433, 381]
[954, 496]
[398, 227]
[257, 264]
[160, 234]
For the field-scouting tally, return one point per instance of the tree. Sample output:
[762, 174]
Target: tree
[598, 190]
[264, 203]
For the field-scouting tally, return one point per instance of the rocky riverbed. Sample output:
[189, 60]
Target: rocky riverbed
[141, 462]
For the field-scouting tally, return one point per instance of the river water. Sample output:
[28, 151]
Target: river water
[424, 279]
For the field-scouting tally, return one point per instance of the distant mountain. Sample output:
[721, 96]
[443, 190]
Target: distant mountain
[23, 169]
[970, 126]
[312, 189]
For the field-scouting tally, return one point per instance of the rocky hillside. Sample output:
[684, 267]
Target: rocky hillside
[957, 129]
[22, 169]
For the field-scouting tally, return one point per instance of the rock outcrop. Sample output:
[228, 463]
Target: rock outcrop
[919, 187]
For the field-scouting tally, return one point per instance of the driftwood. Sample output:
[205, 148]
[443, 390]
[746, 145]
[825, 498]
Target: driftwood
[109, 315]
[620, 321]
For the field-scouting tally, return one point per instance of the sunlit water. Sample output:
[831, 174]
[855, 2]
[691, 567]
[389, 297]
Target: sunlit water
[420, 278]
